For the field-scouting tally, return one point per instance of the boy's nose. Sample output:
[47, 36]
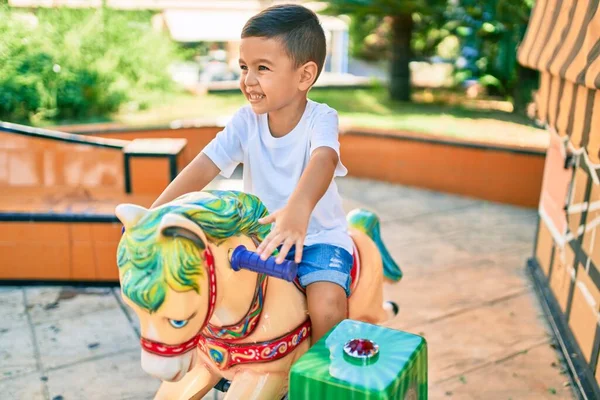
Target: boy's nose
[250, 79]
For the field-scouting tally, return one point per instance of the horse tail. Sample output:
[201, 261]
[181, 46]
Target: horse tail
[368, 223]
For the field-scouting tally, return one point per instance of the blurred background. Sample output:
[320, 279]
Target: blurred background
[150, 62]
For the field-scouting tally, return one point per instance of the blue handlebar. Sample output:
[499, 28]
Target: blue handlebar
[250, 260]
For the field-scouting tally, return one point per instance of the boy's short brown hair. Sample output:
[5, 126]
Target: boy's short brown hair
[297, 27]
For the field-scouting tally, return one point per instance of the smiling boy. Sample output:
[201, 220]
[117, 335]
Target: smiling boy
[290, 150]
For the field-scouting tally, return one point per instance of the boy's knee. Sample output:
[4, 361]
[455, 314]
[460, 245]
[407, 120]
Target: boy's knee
[327, 299]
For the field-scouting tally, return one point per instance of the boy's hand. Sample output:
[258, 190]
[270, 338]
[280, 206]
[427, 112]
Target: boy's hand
[290, 229]
[291, 222]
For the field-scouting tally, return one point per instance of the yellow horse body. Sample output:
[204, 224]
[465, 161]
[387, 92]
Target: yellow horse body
[171, 260]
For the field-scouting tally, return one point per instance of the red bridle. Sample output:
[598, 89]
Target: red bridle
[172, 350]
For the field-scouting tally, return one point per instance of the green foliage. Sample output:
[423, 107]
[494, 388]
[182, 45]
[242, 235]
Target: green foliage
[63, 63]
[400, 27]
[370, 26]
[370, 30]
[489, 32]
[433, 36]
[383, 7]
[369, 37]
[480, 36]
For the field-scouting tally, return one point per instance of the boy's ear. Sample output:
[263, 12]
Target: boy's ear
[308, 75]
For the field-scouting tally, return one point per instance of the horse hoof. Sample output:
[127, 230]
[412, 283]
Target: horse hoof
[391, 307]
[223, 385]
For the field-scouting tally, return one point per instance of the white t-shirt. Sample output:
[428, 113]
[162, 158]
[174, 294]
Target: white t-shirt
[273, 166]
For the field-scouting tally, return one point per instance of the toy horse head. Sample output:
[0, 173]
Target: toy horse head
[167, 258]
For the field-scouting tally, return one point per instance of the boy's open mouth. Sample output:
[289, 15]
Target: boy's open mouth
[255, 97]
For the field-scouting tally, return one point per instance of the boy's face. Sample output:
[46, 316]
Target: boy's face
[269, 79]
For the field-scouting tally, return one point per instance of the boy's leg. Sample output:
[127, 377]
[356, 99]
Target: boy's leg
[325, 273]
[327, 306]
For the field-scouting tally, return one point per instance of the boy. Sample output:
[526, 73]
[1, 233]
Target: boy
[290, 151]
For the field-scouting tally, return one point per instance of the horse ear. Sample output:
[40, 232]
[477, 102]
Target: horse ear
[177, 225]
[130, 214]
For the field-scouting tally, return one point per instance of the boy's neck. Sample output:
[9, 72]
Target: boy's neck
[284, 120]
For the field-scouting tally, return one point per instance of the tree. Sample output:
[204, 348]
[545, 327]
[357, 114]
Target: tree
[492, 30]
[400, 13]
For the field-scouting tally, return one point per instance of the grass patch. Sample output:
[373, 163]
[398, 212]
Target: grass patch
[364, 107]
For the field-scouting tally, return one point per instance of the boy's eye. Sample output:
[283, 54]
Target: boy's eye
[263, 68]
[243, 67]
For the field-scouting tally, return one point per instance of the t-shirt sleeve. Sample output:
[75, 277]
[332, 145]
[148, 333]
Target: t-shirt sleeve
[226, 149]
[325, 132]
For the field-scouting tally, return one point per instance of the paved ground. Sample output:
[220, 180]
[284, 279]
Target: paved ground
[464, 290]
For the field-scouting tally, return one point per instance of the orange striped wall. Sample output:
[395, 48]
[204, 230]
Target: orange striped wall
[563, 43]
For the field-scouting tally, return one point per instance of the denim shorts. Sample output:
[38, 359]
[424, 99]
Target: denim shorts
[324, 263]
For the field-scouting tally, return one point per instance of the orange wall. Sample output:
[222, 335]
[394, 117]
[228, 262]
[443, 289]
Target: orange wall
[59, 251]
[87, 251]
[196, 138]
[48, 163]
[49, 176]
[149, 175]
[40, 162]
[484, 173]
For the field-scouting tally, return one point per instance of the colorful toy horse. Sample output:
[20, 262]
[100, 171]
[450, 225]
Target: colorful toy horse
[201, 320]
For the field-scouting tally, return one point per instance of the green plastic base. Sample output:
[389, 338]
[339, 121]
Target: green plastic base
[400, 371]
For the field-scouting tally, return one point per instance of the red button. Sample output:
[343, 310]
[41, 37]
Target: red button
[362, 347]
[363, 351]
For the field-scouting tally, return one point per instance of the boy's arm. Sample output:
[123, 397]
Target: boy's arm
[292, 220]
[194, 177]
[315, 180]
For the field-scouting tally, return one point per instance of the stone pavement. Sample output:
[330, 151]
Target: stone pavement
[464, 289]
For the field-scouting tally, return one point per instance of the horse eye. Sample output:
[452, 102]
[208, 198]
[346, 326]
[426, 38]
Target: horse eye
[178, 324]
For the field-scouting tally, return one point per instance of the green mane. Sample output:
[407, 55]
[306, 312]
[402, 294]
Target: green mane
[150, 262]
